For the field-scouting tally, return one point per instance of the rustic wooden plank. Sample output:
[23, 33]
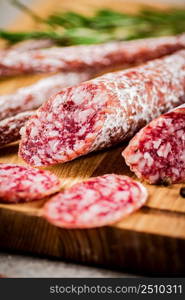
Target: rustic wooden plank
[151, 240]
[113, 247]
[167, 198]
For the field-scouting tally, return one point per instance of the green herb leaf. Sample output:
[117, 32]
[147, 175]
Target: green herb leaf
[70, 28]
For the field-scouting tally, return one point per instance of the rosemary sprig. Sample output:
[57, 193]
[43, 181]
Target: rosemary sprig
[68, 20]
[72, 28]
[74, 36]
[14, 37]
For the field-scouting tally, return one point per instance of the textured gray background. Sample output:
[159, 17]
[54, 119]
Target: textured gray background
[27, 266]
[13, 265]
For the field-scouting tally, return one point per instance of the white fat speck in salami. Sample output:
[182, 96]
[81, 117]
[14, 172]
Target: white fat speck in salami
[157, 153]
[22, 184]
[98, 58]
[103, 112]
[96, 202]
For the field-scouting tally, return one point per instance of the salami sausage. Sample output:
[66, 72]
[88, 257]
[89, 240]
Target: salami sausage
[31, 97]
[32, 45]
[22, 184]
[10, 127]
[102, 112]
[157, 152]
[100, 58]
[25, 46]
[96, 202]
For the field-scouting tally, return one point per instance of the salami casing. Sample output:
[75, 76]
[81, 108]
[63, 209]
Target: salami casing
[84, 58]
[22, 184]
[96, 202]
[157, 152]
[103, 112]
[10, 127]
[25, 46]
[32, 45]
[31, 97]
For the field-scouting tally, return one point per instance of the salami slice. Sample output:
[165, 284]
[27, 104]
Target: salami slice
[103, 112]
[22, 184]
[10, 127]
[157, 152]
[96, 202]
[31, 97]
[84, 58]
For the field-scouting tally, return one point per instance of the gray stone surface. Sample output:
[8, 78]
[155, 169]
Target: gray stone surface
[12, 265]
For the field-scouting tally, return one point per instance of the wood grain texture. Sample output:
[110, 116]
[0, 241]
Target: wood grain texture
[151, 240]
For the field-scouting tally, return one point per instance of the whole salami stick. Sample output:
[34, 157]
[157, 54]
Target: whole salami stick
[157, 153]
[103, 112]
[32, 45]
[10, 127]
[97, 57]
[31, 97]
[26, 46]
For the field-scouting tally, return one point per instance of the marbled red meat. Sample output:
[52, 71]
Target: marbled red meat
[31, 97]
[22, 184]
[96, 202]
[157, 152]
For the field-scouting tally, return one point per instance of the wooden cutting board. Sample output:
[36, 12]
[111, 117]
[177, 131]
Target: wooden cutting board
[151, 240]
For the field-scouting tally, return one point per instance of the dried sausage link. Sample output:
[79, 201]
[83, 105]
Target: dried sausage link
[98, 58]
[103, 112]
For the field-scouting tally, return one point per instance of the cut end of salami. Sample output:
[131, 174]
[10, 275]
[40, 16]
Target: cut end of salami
[65, 127]
[33, 96]
[23, 184]
[96, 202]
[157, 153]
